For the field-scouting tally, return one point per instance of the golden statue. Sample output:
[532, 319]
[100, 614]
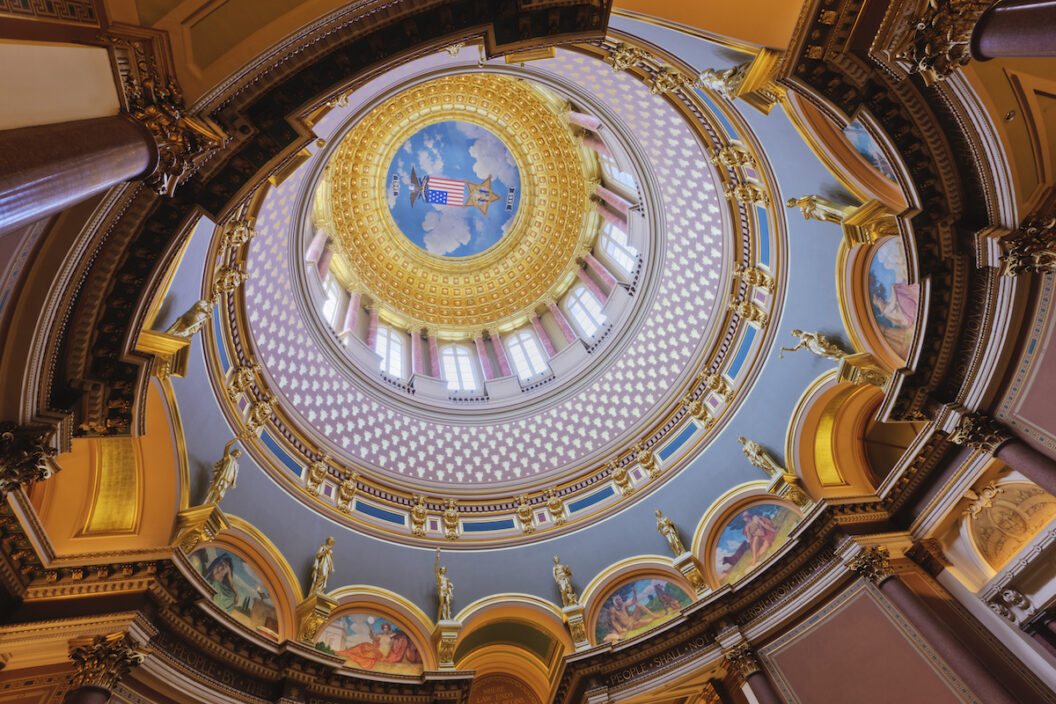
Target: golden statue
[668, 529]
[259, 414]
[346, 493]
[726, 83]
[224, 473]
[445, 590]
[317, 471]
[818, 208]
[418, 514]
[621, 478]
[450, 518]
[555, 507]
[323, 567]
[760, 457]
[188, 324]
[647, 460]
[754, 276]
[563, 577]
[524, 515]
[818, 344]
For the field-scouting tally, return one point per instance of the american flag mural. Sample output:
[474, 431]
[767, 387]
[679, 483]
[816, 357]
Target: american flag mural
[445, 191]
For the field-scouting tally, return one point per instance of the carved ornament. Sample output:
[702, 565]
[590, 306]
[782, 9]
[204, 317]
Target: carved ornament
[981, 432]
[101, 661]
[24, 456]
[743, 660]
[939, 40]
[1034, 251]
[873, 563]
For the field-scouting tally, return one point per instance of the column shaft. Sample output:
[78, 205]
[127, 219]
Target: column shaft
[434, 356]
[48, 168]
[763, 688]
[1038, 468]
[548, 344]
[592, 142]
[316, 246]
[601, 270]
[88, 695]
[1016, 28]
[323, 265]
[351, 314]
[951, 648]
[500, 355]
[616, 219]
[372, 328]
[417, 364]
[562, 323]
[581, 119]
[622, 205]
[482, 355]
[592, 286]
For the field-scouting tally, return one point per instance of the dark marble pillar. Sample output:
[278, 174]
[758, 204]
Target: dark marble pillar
[981, 432]
[87, 695]
[1015, 28]
[742, 658]
[48, 168]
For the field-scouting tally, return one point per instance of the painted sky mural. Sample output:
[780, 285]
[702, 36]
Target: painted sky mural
[893, 299]
[453, 188]
[370, 642]
[239, 590]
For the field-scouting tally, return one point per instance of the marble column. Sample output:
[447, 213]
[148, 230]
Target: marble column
[351, 314]
[323, 265]
[981, 432]
[48, 168]
[372, 327]
[592, 286]
[619, 203]
[601, 270]
[540, 331]
[434, 356]
[1015, 28]
[873, 564]
[610, 216]
[417, 363]
[562, 322]
[742, 659]
[582, 119]
[500, 354]
[316, 246]
[592, 142]
[482, 356]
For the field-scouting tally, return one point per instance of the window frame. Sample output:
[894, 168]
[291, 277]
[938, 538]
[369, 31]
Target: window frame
[518, 342]
[575, 296]
[462, 356]
[393, 339]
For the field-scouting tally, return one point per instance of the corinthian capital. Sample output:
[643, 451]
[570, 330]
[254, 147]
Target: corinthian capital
[981, 432]
[742, 658]
[938, 43]
[24, 454]
[873, 563]
[103, 660]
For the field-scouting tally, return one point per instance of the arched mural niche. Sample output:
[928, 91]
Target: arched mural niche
[742, 531]
[1001, 517]
[632, 597]
[247, 578]
[880, 300]
[498, 688]
[373, 630]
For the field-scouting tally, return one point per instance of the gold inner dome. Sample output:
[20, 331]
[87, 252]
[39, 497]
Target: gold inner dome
[552, 225]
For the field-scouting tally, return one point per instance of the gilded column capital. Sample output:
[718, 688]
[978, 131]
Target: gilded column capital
[743, 659]
[873, 563]
[624, 56]
[981, 432]
[939, 39]
[24, 456]
[101, 661]
[1033, 251]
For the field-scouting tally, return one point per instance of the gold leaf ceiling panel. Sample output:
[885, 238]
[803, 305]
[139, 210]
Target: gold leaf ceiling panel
[527, 266]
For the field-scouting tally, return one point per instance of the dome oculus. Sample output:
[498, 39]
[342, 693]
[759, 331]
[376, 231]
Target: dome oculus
[453, 188]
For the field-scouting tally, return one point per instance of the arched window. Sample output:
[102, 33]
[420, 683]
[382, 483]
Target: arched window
[526, 354]
[456, 362]
[389, 344]
[331, 304]
[614, 244]
[612, 171]
[585, 310]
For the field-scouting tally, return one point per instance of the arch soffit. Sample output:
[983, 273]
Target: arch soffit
[825, 443]
[540, 613]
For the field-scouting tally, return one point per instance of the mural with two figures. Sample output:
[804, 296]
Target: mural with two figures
[238, 589]
[370, 642]
[638, 606]
[750, 537]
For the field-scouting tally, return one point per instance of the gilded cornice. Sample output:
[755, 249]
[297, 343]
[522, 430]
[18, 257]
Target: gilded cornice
[535, 259]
